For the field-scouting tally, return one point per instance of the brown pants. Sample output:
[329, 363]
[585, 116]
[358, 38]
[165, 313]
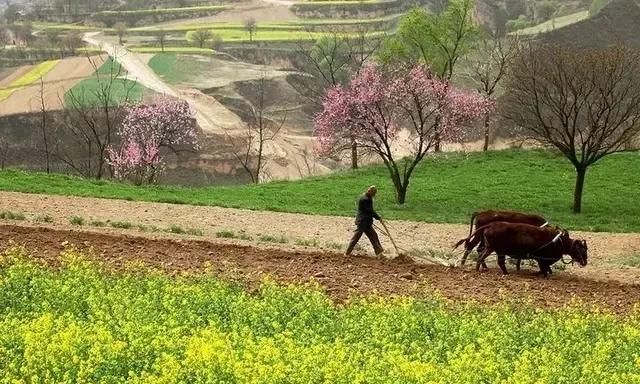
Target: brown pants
[371, 234]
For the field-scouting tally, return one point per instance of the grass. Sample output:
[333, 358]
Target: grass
[226, 234]
[549, 25]
[90, 91]
[292, 25]
[28, 78]
[44, 219]
[273, 239]
[98, 223]
[76, 220]
[164, 64]
[631, 259]
[181, 69]
[64, 27]
[312, 243]
[195, 232]
[236, 35]
[121, 225]
[335, 246]
[176, 229]
[172, 11]
[169, 50]
[8, 215]
[80, 323]
[148, 228]
[337, 2]
[445, 189]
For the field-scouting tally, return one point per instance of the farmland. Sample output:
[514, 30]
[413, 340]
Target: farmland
[108, 76]
[27, 79]
[134, 250]
[84, 324]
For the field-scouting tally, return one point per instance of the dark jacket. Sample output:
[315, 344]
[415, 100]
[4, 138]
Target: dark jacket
[366, 214]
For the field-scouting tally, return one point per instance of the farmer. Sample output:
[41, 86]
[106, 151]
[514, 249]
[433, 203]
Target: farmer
[364, 222]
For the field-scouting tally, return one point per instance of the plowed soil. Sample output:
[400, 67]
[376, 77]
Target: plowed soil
[340, 276]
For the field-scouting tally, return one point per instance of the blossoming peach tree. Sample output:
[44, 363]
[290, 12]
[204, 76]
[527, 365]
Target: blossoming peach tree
[378, 105]
[166, 123]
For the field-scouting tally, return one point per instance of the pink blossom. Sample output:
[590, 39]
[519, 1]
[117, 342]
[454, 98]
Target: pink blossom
[376, 104]
[147, 128]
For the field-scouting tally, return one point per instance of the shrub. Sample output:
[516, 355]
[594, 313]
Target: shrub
[226, 234]
[121, 225]
[76, 220]
[44, 219]
[8, 215]
[273, 239]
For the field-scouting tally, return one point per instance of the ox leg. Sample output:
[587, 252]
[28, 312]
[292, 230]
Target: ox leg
[545, 268]
[464, 257]
[481, 257]
[502, 263]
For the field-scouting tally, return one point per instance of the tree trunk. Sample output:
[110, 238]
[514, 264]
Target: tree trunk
[487, 126]
[581, 172]
[437, 138]
[354, 154]
[401, 193]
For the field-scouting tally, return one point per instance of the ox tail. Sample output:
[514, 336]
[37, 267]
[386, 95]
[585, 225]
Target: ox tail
[472, 222]
[459, 243]
[472, 236]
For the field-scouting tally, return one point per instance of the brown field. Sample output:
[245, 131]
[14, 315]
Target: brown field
[311, 251]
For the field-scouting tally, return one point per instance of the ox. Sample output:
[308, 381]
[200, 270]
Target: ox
[481, 219]
[524, 241]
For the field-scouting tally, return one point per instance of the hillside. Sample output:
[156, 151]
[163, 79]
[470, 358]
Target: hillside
[616, 24]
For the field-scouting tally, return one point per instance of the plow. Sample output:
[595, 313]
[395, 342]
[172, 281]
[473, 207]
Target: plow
[403, 253]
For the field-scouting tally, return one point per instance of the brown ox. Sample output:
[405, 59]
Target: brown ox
[481, 219]
[524, 241]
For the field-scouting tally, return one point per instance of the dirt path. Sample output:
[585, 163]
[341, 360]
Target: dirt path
[338, 275]
[138, 70]
[299, 231]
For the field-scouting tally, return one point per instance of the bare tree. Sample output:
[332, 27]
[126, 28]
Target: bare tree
[53, 37]
[92, 116]
[200, 37]
[161, 38]
[72, 41]
[121, 31]
[24, 32]
[43, 127]
[585, 103]
[249, 148]
[216, 41]
[4, 151]
[250, 26]
[329, 61]
[4, 36]
[489, 69]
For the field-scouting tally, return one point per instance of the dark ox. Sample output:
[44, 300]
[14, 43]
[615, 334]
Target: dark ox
[481, 219]
[524, 241]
